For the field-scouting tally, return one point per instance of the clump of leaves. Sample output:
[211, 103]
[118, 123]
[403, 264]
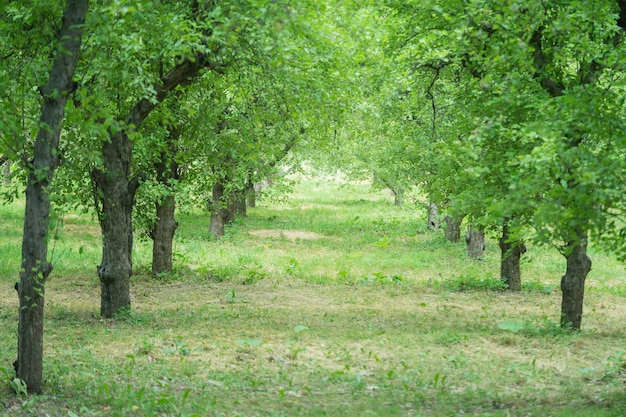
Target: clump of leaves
[381, 278]
[616, 367]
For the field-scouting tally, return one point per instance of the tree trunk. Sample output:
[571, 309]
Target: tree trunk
[117, 195]
[251, 195]
[219, 211]
[510, 259]
[398, 196]
[162, 233]
[240, 204]
[573, 284]
[453, 228]
[7, 173]
[163, 236]
[475, 240]
[433, 217]
[35, 266]
[117, 189]
[231, 209]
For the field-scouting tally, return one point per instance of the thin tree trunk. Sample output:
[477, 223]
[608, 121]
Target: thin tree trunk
[475, 240]
[510, 260]
[35, 265]
[219, 211]
[433, 217]
[7, 173]
[573, 284]
[163, 236]
[453, 228]
[398, 196]
[165, 226]
[240, 204]
[231, 209]
[251, 195]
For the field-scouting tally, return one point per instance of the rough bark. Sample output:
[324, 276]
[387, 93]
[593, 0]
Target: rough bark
[163, 236]
[219, 211]
[573, 284]
[117, 189]
[475, 240]
[231, 209]
[162, 233]
[35, 266]
[240, 204]
[7, 173]
[116, 199]
[510, 260]
[433, 216]
[453, 228]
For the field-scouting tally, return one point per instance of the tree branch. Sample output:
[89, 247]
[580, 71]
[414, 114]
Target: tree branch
[182, 73]
[554, 88]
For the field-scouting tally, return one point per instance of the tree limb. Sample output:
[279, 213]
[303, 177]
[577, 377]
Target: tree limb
[181, 74]
[554, 88]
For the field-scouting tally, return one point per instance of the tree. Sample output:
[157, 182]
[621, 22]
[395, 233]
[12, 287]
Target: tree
[35, 266]
[532, 153]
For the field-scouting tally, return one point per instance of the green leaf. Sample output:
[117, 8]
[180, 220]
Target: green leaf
[300, 328]
[512, 326]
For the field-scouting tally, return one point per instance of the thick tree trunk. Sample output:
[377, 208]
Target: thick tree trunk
[453, 228]
[510, 260]
[433, 217]
[117, 195]
[219, 211]
[573, 284]
[163, 236]
[35, 265]
[475, 240]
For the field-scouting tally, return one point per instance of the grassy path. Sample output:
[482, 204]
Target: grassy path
[335, 303]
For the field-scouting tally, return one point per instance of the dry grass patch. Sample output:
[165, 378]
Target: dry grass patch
[292, 235]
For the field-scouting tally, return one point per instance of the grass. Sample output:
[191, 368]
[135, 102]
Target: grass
[335, 303]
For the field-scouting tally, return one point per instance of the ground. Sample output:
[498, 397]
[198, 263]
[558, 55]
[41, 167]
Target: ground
[337, 306]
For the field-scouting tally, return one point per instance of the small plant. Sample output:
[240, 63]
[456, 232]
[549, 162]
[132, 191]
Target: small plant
[250, 342]
[381, 278]
[232, 298]
[616, 367]
[293, 265]
[178, 347]
[254, 275]
[19, 386]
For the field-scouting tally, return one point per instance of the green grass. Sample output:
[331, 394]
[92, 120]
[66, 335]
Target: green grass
[335, 303]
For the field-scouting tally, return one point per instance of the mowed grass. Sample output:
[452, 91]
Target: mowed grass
[333, 303]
